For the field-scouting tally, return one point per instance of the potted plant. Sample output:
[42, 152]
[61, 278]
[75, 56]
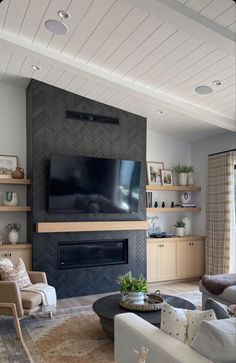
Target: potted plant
[135, 288]
[13, 232]
[190, 175]
[182, 171]
[179, 228]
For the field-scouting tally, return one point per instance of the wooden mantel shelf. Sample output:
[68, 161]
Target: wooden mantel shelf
[55, 227]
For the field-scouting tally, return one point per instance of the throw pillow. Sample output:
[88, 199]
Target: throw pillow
[174, 322]
[219, 309]
[216, 340]
[5, 262]
[16, 273]
[195, 317]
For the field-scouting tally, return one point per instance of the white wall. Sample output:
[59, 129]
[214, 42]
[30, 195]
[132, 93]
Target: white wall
[171, 151]
[200, 152]
[13, 142]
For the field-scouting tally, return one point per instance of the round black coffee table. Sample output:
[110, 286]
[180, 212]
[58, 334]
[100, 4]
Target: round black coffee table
[107, 307]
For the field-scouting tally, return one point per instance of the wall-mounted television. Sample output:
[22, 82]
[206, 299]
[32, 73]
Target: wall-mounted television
[83, 184]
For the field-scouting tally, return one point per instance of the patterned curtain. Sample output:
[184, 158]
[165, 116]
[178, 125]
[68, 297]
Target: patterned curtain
[219, 213]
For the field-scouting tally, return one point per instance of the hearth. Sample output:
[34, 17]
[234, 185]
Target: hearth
[92, 253]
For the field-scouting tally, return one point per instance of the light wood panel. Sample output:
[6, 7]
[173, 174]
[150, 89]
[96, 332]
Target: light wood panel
[190, 258]
[173, 210]
[15, 181]
[17, 208]
[177, 239]
[180, 188]
[51, 227]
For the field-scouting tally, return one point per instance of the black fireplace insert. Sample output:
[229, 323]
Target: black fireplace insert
[92, 253]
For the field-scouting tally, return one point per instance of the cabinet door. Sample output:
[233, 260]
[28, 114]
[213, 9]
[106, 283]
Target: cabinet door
[15, 253]
[153, 260]
[198, 261]
[184, 258]
[161, 261]
[190, 258]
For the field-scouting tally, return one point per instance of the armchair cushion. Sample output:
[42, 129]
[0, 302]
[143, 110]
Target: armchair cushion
[16, 273]
[30, 300]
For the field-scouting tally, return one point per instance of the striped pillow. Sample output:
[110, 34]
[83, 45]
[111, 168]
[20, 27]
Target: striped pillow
[16, 273]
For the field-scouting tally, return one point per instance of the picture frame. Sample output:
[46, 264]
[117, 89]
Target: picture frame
[8, 164]
[154, 172]
[167, 177]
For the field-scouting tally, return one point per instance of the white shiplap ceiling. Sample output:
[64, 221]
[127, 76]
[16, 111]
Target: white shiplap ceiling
[137, 55]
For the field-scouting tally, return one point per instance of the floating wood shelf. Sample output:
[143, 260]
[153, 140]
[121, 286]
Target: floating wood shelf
[15, 181]
[52, 227]
[177, 239]
[165, 210]
[178, 188]
[18, 208]
[12, 246]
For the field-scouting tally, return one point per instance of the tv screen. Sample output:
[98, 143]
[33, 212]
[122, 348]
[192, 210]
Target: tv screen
[93, 185]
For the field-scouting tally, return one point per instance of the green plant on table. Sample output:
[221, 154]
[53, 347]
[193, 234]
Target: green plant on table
[181, 168]
[128, 283]
[179, 224]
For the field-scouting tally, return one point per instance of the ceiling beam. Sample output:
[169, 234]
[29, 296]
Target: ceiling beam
[79, 68]
[191, 22]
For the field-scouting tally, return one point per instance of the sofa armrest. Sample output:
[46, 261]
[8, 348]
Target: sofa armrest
[132, 332]
[10, 293]
[37, 276]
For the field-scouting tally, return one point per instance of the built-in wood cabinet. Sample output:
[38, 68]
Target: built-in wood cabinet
[175, 258]
[15, 251]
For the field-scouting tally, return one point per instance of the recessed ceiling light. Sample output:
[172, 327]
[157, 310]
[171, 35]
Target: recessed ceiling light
[217, 82]
[56, 27]
[160, 112]
[35, 68]
[203, 90]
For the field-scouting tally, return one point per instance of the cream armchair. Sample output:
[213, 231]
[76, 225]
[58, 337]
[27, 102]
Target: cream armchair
[17, 303]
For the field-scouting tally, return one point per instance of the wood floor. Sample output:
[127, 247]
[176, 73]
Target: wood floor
[165, 288]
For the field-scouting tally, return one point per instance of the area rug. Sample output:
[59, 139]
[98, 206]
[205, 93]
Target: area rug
[73, 337]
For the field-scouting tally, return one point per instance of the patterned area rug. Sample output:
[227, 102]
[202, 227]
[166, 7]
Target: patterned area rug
[73, 337]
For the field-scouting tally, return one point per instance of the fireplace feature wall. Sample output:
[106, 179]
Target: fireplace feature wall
[48, 132]
[92, 253]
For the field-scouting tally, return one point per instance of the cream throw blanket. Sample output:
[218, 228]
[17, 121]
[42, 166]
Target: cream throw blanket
[48, 293]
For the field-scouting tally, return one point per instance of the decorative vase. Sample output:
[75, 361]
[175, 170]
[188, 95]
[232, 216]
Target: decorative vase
[187, 227]
[179, 231]
[185, 197]
[18, 173]
[190, 178]
[183, 177]
[10, 198]
[13, 236]
[136, 297]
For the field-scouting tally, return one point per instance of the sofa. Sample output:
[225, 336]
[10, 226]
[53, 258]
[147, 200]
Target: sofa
[227, 297]
[132, 332]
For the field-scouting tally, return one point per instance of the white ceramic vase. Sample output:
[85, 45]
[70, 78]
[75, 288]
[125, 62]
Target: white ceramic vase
[183, 178]
[10, 198]
[179, 231]
[187, 227]
[190, 178]
[13, 236]
[136, 297]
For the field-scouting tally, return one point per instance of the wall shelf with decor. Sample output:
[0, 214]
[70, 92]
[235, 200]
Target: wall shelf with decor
[15, 181]
[167, 210]
[15, 208]
[174, 188]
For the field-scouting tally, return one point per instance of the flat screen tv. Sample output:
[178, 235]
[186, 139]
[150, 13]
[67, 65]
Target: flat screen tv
[83, 184]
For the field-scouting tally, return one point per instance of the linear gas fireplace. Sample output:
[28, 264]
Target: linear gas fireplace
[92, 253]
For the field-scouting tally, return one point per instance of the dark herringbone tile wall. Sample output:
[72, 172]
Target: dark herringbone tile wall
[48, 132]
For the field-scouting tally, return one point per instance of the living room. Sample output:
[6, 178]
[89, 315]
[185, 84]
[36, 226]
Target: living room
[34, 125]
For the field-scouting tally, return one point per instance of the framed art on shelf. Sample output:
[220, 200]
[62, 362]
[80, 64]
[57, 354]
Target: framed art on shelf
[8, 164]
[167, 177]
[154, 172]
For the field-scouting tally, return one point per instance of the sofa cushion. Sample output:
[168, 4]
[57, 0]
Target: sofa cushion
[174, 322]
[195, 317]
[30, 300]
[216, 340]
[5, 262]
[16, 273]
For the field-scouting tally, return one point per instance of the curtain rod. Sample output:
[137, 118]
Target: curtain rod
[222, 152]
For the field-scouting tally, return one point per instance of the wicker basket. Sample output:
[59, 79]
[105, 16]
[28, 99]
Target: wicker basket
[153, 302]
